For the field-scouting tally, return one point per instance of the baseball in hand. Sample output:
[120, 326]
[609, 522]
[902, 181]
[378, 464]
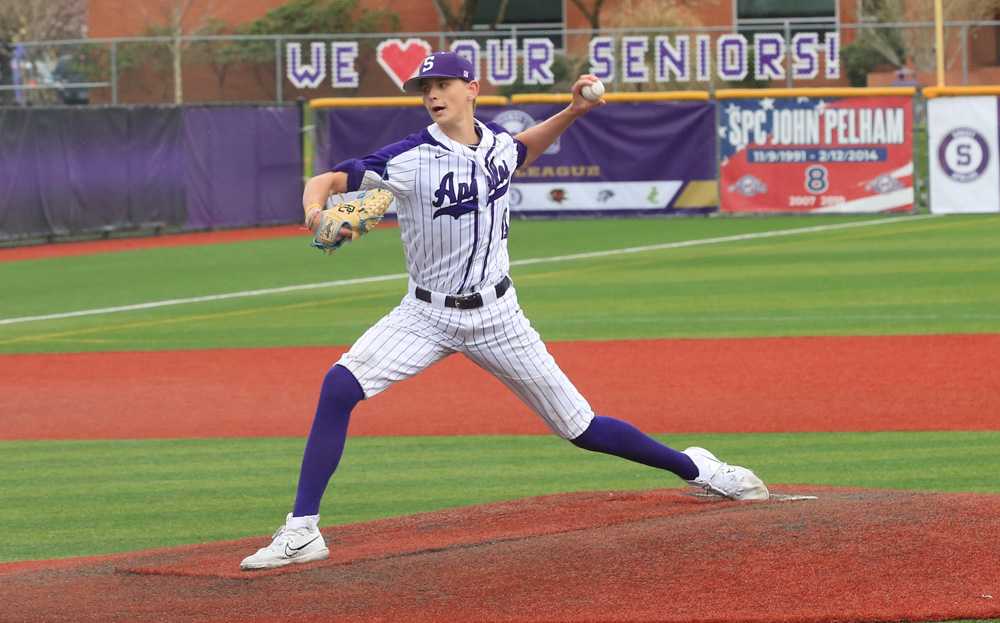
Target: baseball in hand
[593, 92]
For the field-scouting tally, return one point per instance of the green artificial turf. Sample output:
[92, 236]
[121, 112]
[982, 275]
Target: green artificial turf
[933, 275]
[94, 497]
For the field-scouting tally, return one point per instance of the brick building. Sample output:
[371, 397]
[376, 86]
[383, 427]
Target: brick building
[151, 78]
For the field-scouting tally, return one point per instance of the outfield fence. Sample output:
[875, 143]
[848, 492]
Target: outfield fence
[103, 170]
[813, 150]
[95, 171]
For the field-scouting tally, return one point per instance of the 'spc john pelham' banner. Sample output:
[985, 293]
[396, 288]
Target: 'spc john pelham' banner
[808, 154]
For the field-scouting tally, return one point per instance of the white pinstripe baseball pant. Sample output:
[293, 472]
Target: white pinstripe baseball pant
[497, 337]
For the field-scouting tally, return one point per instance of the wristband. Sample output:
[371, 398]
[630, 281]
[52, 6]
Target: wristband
[311, 207]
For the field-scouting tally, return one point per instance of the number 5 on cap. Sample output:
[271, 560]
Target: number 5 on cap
[428, 64]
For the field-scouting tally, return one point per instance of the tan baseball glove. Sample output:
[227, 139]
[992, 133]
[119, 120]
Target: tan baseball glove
[350, 220]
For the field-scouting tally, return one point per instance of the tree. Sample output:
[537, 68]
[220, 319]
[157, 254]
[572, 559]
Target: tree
[592, 11]
[304, 17]
[214, 53]
[460, 18]
[308, 17]
[177, 19]
[39, 20]
[916, 45]
[42, 20]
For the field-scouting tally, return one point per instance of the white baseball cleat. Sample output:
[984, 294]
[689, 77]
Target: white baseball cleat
[292, 544]
[729, 481]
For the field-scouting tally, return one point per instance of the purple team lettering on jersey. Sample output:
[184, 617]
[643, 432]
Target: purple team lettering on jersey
[434, 177]
[464, 201]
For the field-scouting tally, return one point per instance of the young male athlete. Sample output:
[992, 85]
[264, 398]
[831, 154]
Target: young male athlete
[450, 182]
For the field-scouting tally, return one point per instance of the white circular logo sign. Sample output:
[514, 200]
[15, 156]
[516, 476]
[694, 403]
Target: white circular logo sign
[963, 154]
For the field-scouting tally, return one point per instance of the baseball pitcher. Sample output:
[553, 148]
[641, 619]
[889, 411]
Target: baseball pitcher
[449, 183]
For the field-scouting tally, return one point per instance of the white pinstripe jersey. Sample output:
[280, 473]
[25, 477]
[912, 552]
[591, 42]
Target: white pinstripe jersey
[452, 203]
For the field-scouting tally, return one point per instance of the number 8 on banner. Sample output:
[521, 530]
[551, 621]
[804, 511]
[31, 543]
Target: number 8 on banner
[816, 179]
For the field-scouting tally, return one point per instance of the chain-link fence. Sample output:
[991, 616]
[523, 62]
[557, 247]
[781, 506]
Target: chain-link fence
[224, 68]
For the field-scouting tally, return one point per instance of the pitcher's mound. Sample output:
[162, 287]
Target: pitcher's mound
[848, 555]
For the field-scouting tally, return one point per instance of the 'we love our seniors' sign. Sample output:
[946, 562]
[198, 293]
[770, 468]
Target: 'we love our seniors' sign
[639, 59]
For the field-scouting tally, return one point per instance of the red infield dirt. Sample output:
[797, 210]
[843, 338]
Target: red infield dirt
[92, 247]
[934, 382]
[850, 555]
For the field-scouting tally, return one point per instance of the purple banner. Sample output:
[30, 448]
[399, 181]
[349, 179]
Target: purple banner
[242, 166]
[635, 158]
[94, 170]
[71, 171]
[343, 133]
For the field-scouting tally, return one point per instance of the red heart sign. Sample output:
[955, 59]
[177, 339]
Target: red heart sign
[401, 59]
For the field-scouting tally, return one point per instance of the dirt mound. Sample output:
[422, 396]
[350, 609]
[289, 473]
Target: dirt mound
[849, 555]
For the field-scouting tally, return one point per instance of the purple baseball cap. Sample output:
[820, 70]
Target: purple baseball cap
[441, 65]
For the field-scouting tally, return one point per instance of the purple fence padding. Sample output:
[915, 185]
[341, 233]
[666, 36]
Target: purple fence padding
[242, 166]
[154, 164]
[67, 171]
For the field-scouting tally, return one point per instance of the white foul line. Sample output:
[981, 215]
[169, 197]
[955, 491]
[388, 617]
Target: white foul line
[702, 241]
[537, 260]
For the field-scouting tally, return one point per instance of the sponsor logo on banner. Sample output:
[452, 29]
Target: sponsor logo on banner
[517, 121]
[884, 184]
[514, 121]
[803, 154]
[748, 186]
[558, 195]
[593, 196]
[963, 155]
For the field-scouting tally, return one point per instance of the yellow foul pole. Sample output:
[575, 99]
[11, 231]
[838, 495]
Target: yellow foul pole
[939, 41]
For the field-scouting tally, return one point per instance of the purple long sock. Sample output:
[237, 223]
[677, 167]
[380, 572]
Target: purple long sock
[325, 446]
[611, 436]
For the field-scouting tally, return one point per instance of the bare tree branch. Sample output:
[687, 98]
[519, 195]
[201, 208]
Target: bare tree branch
[42, 20]
[460, 19]
[501, 13]
[468, 13]
[918, 43]
[648, 14]
[444, 7]
[174, 20]
[591, 11]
